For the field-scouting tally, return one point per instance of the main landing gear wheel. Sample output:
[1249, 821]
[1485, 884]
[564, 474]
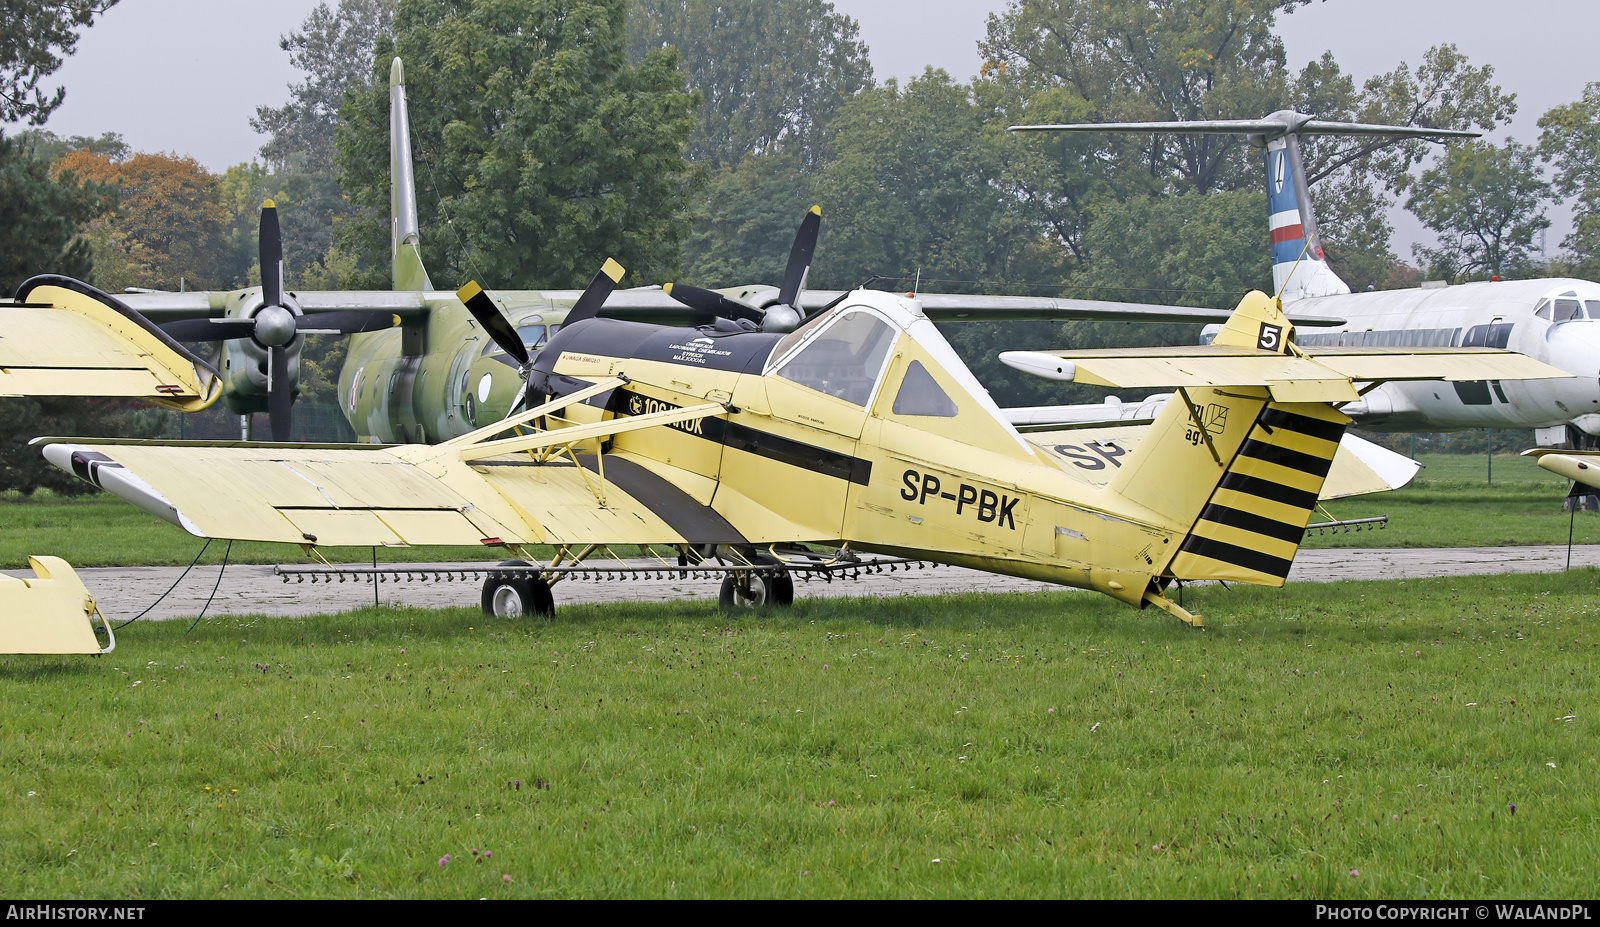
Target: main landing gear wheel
[510, 596]
[745, 590]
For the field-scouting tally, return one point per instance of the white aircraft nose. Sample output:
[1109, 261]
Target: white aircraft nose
[1575, 348]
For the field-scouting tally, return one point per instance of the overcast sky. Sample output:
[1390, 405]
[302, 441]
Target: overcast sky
[186, 75]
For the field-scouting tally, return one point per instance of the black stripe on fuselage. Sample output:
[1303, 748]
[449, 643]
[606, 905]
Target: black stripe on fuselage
[774, 447]
[695, 523]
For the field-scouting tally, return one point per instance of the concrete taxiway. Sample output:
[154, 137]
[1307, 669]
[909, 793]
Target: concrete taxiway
[124, 592]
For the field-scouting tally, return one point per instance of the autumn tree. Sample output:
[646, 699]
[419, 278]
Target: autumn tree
[35, 35]
[540, 149]
[170, 221]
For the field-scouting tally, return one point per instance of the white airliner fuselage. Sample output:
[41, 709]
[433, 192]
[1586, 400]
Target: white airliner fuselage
[1556, 321]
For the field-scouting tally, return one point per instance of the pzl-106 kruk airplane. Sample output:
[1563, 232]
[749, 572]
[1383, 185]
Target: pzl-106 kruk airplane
[859, 429]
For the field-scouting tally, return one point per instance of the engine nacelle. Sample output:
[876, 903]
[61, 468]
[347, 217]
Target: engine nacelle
[245, 360]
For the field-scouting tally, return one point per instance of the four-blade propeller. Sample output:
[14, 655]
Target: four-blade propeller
[276, 324]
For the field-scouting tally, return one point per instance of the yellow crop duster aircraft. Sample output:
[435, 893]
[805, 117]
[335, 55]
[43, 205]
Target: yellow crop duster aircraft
[860, 428]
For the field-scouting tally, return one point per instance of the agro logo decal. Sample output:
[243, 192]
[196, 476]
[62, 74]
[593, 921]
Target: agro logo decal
[644, 405]
[1271, 337]
[986, 505]
[1214, 416]
[1095, 456]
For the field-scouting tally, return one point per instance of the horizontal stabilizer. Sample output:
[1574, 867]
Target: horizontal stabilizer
[1323, 377]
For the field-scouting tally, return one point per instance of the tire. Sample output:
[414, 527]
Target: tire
[517, 597]
[761, 592]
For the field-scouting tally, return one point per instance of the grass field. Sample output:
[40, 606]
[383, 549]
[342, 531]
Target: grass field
[1349, 740]
[1451, 504]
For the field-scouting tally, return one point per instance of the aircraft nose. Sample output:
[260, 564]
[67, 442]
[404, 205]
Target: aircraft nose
[1575, 348]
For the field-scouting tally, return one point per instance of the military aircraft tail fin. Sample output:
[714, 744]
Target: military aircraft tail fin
[405, 236]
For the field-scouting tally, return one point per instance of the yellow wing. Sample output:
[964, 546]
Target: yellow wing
[546, 487]
[62, 338]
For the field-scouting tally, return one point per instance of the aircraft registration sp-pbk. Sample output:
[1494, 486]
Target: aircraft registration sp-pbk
[860, 428]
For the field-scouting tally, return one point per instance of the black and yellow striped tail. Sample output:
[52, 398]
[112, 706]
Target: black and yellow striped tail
[1250, 529]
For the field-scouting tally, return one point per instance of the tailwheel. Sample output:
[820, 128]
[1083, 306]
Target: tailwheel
[510, 596]
[746, 590]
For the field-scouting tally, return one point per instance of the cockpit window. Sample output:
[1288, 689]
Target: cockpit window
[531, 335]
[1592, 308]
[845, 359]
[1566, 309]
[1543, 311]
[920, 395]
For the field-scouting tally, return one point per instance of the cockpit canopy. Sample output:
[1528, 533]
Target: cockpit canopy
[1567, 307]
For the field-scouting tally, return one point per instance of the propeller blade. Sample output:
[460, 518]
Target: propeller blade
[488, 315]
[588, 305]
[193, 330]
[805, 245]
[271, 256]
[710, 301]
[345, 322]
[280, 404]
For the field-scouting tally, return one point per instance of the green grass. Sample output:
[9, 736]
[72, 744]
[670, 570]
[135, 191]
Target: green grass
[1004, 746]
[1451, 504]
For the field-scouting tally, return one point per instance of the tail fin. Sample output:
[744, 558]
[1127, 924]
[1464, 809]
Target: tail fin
[405, 237]
[1241, 469]
[1299, 268]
